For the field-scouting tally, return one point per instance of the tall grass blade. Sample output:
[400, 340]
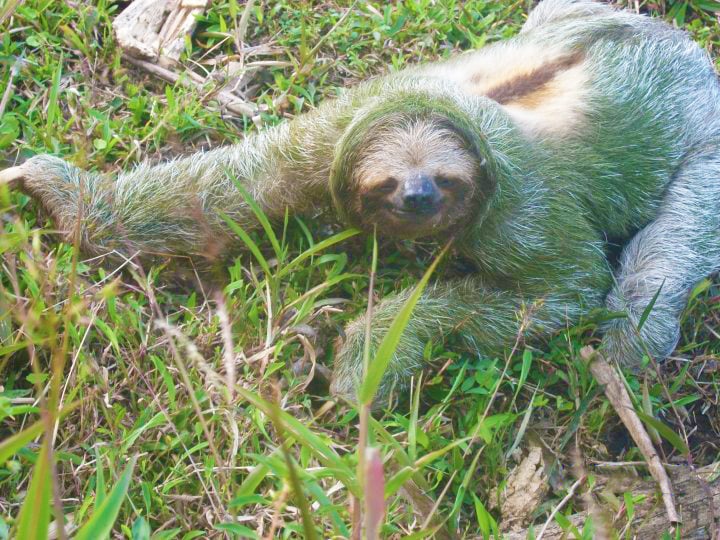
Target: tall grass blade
[262, 218]
[34, 517]
[293, 477]
[389, 343]
[101, 522]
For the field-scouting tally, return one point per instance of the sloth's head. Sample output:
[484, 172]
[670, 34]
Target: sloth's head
[411, 173]
[415, 178]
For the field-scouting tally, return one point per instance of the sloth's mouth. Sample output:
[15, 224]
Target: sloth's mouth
[400, 222]
[418, 214]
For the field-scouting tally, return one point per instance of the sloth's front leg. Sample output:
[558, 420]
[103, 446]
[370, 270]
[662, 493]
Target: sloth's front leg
[489, 319]
[178, 207]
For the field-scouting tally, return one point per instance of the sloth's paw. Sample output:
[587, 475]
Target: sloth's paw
[348, 368]
[658, 337]
[42, 172]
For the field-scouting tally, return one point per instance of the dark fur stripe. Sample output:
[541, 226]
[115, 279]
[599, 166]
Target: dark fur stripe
[523, 85]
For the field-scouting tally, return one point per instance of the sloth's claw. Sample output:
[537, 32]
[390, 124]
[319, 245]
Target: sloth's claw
[13, 176]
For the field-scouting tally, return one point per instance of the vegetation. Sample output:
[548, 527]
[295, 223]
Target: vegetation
[154, 404]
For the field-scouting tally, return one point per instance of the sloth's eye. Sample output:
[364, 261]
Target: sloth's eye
[388, 186]
[443, 182]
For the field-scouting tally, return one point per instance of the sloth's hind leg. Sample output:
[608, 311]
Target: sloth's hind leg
[670, 255]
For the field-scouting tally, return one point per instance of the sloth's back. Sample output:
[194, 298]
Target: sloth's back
[623, 97]
[559, 78]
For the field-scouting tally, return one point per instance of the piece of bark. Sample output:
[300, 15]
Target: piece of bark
[698, 500]
[155, 30]
[151, 34]
[523, 492]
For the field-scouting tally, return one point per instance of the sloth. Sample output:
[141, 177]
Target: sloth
[535, 154]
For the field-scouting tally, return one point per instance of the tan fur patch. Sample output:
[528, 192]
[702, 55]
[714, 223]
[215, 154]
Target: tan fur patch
[529, 86]
[543, 89]
[497, 66]
[558, 108]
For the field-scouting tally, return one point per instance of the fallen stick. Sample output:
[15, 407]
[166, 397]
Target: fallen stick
[226, 100]
[616, 393]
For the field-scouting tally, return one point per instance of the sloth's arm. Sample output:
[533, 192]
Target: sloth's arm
[175, 208]
[565, 279]
[489, 320]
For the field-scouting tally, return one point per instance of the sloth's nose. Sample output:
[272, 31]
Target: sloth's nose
[420, 194]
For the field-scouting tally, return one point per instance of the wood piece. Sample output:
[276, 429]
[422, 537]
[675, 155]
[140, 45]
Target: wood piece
[151, 34]
[155, 29]
[616, 393]
[698, 499]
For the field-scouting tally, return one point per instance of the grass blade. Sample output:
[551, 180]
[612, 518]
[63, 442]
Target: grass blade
[100, 490]
[262, 218]
[665, 432]
[387, 347]
[17, 442]
[101, 522]
[252, 246]
[316, 248]
[303, 435]
[525, 370]
[649, 308]
[53, 109]
[34, 517]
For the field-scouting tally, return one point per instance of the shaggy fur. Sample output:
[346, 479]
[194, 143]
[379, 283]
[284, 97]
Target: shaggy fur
[608, 127]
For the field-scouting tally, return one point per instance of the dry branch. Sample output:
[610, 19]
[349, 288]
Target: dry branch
[616, 393]
[227, 101]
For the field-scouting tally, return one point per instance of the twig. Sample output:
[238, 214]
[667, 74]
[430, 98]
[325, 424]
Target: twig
[227, 101]
[616, 393]
[228, 347]
[559, 506]
[8, 9]
[14, 70]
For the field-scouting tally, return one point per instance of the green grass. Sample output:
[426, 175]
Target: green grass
[137, 359]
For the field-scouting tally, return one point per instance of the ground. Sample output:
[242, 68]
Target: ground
[138, 359]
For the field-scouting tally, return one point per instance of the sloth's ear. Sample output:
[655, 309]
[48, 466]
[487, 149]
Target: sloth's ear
[13, 177]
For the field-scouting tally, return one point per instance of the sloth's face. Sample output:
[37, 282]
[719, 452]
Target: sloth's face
[415, 180]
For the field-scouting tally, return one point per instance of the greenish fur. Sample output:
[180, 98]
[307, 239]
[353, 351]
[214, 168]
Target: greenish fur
[646, 159]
